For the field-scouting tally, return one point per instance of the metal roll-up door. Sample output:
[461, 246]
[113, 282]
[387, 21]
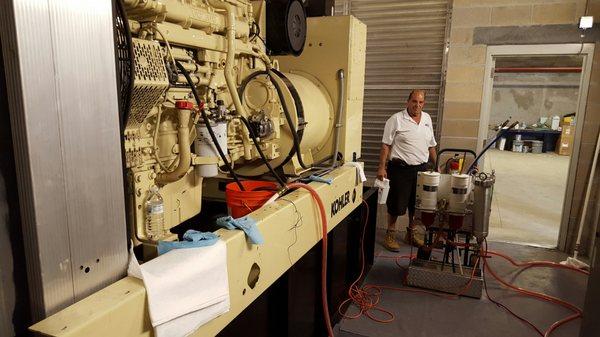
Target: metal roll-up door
[405, 51]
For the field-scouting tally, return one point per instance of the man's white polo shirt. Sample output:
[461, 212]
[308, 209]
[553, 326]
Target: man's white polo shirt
[410, 141]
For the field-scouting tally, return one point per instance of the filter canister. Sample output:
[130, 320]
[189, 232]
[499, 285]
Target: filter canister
[427, 190]
[460, 192]
[205, 147]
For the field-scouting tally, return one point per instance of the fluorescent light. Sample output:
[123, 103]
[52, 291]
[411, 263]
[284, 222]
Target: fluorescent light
[586, 22]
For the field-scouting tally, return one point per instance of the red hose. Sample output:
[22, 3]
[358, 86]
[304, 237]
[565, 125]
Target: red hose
[324, 301]
[577, 311]
[530, 293]
[559, 323]
[367, 297]
[509, 310]
[538, 263]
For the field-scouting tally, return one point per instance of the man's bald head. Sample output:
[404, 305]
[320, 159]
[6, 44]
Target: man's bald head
[417, 92]
[415, 102]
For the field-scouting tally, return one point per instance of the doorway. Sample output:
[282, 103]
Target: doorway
[544, 87]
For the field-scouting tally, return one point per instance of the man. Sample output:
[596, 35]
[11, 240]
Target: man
[408, 144]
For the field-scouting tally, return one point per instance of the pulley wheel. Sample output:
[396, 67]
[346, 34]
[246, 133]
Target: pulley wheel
[286, 27]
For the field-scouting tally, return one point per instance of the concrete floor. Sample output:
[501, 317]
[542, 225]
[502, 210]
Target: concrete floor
[426, 315]
[528, 196]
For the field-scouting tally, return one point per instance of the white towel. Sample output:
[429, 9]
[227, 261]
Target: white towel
[186, 288]
[360, 172]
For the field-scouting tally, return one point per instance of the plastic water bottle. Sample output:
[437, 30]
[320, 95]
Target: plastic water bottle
[155, 214]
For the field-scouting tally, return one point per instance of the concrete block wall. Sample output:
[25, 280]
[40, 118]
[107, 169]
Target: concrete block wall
[528, 97]
[465, 76]
[466, 61]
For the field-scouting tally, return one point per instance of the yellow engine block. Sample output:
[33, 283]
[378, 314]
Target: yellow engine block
[220, 46]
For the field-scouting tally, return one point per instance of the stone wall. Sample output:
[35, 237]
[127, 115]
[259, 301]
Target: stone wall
[465, 75]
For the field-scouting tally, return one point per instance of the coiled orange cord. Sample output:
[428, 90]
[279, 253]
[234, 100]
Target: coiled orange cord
[367, 297]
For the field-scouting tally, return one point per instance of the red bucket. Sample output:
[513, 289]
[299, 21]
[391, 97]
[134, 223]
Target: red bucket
[255, 195]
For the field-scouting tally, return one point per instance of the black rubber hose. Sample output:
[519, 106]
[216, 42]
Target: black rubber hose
[288, 117]
[241, 90]
[208, 127]
[260, 152]
[286, 112]
[500, 134]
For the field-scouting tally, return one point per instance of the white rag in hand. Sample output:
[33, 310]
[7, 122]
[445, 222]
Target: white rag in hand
[186, 288]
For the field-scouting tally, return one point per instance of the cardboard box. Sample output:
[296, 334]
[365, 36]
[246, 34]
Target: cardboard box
[568, 131]
[567, 121]
[564, 146]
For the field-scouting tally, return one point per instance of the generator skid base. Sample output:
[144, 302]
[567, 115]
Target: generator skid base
[441, 277]
[121, 309]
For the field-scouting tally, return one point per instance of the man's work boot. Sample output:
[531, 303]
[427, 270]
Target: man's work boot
[412, 239]
[390, 242]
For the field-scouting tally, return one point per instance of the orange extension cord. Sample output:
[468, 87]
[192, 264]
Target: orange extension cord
[538, 263]
[367, 297]
[577, 312]
[324, 302]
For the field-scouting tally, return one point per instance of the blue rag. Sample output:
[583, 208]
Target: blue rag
[191, 239]
[246, 223]
[316, 178]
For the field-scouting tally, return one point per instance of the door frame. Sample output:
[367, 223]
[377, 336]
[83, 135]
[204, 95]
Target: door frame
[586, 50]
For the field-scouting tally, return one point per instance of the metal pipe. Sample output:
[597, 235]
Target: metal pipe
[185, 156]
[537, 70]
[230, 60]
[192, 67]
[195, 79]
[338, 122]
[184, 14]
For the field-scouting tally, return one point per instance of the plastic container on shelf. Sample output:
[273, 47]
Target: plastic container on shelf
[537, 146]
[517, 146]
[555, 122]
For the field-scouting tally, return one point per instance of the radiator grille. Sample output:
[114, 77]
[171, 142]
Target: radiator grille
[150, 80]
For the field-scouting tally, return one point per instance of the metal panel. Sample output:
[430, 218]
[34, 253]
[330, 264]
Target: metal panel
[405, 51]
[431, 275]
[59, 59]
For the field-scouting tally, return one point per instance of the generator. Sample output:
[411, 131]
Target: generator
[213, 93]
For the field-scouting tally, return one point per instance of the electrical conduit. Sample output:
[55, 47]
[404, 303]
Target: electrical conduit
[338, 123]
